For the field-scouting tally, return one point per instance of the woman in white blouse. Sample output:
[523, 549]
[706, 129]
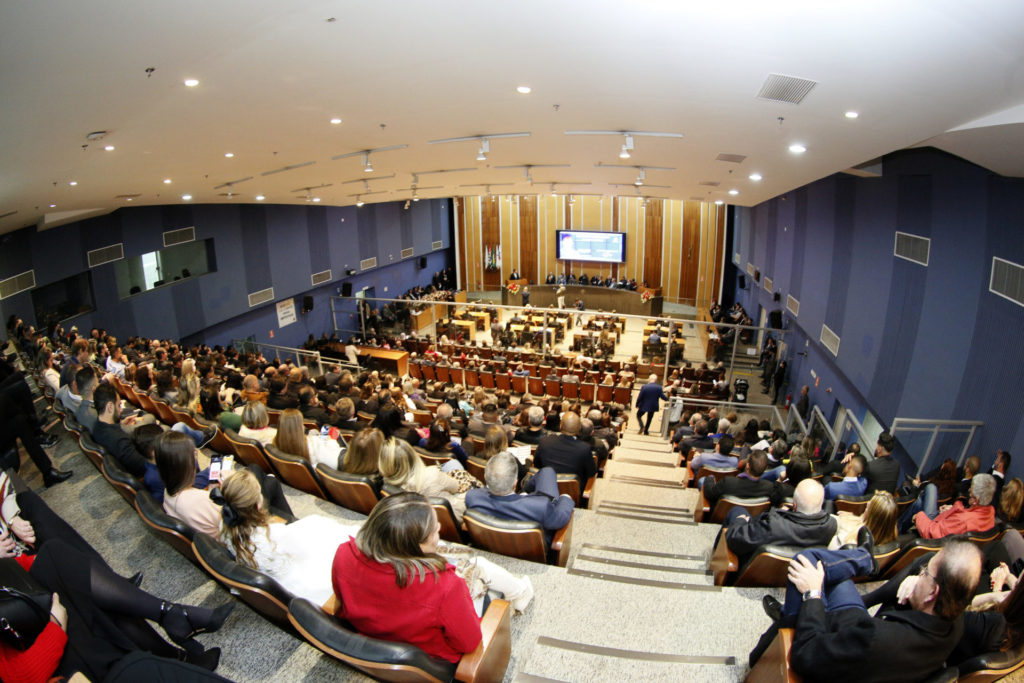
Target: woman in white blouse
[292, 438]
[255, 423]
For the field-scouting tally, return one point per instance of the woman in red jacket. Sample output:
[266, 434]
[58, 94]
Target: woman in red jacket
[393, 585]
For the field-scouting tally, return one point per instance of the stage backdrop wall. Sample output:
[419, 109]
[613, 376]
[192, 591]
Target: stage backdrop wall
[676, 245]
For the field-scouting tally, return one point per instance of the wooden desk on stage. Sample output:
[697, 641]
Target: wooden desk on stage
[482, 318]
[396, 361]
[422, 319]
[594, 298]
[468, 327]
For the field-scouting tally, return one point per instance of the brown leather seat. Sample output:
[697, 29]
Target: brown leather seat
[357, 492]
[516, 538]
[249, 451]
[295, 471]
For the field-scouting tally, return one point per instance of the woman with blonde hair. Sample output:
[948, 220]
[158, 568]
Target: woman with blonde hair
[363, 453]
[255, 423]
[401, 467]
[393, 583]
[292, 438]
[879, 517]
[297, 555]
[1010, 501]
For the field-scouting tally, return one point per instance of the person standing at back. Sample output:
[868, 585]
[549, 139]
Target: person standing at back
[647, 402]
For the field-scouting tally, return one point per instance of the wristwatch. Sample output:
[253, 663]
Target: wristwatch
[812, 595]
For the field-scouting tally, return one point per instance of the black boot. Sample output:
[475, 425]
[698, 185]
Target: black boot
[55, 476]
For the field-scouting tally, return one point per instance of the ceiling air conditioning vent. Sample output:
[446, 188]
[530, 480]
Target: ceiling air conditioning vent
[436, 245]
[368, 263]
[321, 277]
[830, 339]
[768, 284]
[750, 269]
[1007, 280]
[261, 297]
[785, 88]
[406, 253]
[172, 237]
[710, 183]
[97, 257]
[792, 305]
[17, 284]
[912, 247]
[731, 158]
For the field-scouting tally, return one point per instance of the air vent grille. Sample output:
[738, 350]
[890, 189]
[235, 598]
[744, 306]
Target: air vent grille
[261, 297]
[180, 236]
[912, 247]
[368, 263]
[406, 253]
[97, 257]
[830, 339]
[785, 88]
[731, 158]
[736, 258]
[1007, 280]
[750, 269]
[792, 305]
[710, 183]
[436, 245]
[768, 284]
[17, 284]
[321, 277]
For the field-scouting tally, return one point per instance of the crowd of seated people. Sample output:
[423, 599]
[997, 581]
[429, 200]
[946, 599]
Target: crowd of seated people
[592, 280]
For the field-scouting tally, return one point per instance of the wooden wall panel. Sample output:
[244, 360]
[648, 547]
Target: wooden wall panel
[653, 232]
[689, 272]
[670, 254]
[720, 256]
[460, 211]
[528, 242]
[490, 234]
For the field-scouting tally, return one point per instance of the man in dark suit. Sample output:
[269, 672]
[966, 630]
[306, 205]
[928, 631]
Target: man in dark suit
[311, 409]
[748, 484]
[806, 525]
[803, 404]
[700, 439]
[543, 504]
[565, 453]
[647, 402]
[883, 472]
[836, 637]
[514, 275]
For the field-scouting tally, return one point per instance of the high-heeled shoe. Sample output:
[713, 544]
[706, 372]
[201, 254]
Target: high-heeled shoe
[182, 629]
[206, 659]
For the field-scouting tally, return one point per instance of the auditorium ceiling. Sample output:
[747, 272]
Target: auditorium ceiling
[78, 77]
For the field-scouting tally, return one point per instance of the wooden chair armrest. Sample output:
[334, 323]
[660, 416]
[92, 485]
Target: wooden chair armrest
[585, 497]
[773, 667]
[488, 662]
[561, 543]
[332, 605]
[723, 561]
[703, 509]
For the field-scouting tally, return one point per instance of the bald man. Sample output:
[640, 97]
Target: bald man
[806, 525]
[837, 639]
[566, 454]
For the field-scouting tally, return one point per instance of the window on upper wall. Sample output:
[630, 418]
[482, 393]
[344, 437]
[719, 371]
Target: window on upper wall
[139, 274]
[58, 301]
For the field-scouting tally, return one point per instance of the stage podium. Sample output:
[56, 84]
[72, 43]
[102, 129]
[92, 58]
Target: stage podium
[510, 299]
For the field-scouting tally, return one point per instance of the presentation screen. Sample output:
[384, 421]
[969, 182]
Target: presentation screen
[583, 245]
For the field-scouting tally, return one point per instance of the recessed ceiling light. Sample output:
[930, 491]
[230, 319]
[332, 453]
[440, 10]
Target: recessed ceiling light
[719, 202]
[734, 192]
[72, 183]
[109, 148]
[335, 120]
[128, 199]
[167, 181]
[316, 199]
[53, 206]
[191, 82]
[229, 154]
[797, 149]
[186, 197]
[852, 114]
[260, 198]
[755, 177]
[523, 90]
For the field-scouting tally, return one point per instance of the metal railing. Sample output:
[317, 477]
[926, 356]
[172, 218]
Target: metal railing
[768, 411]
[908, 425]
[302, 356]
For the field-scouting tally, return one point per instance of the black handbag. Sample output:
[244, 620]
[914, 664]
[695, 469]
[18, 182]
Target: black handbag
[24, 606]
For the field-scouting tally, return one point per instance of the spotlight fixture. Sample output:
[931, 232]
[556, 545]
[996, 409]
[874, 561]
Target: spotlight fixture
[415, 197]
[367, 166]
[641, 178]
[359, 201]
[406, 204]
[797, 148]
[191, 82]
[626, 146]
[260, 198]
[755, 177]
[485, 147]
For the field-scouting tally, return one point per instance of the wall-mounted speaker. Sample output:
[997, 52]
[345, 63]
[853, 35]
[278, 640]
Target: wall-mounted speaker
[776, 296]
[775, 319]
[346, 289]
[757, 276]
[423, 262]
[743, 281]
[307, 304]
